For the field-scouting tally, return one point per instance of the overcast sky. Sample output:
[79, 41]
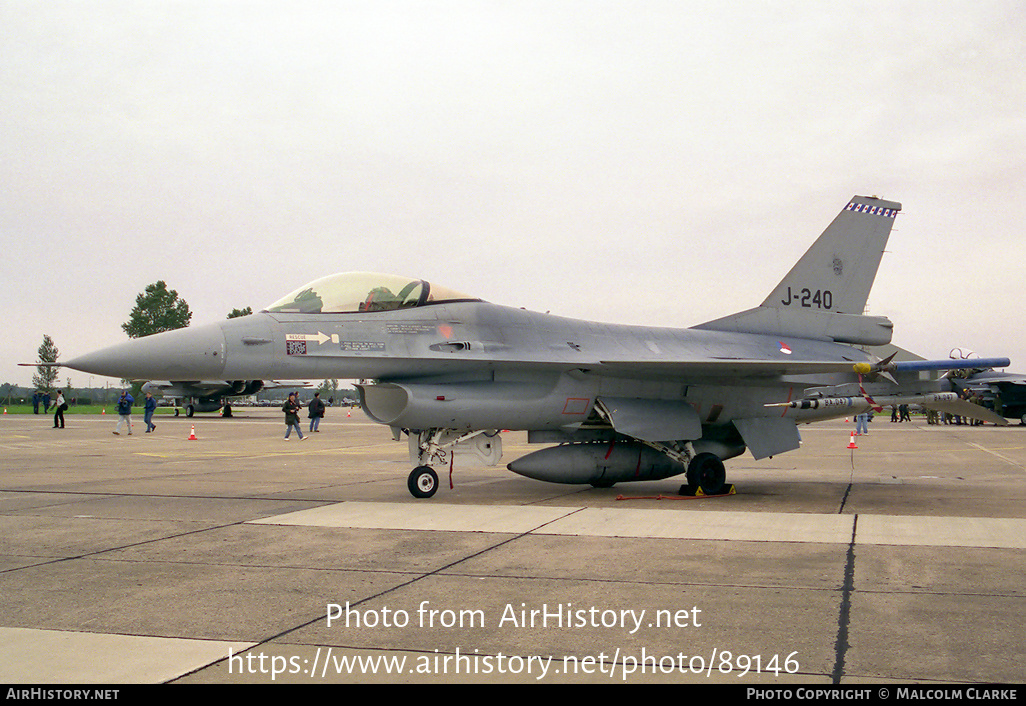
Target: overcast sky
[658, 163]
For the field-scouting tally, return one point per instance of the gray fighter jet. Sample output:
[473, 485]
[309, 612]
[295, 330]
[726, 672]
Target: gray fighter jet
[210, 395]
[621, 403]
[1003, 392]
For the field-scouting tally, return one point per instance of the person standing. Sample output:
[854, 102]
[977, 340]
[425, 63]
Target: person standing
[59, 406]
[149, 407]
[316, 408]
[124, 412]
[291, 409]
[861, 424]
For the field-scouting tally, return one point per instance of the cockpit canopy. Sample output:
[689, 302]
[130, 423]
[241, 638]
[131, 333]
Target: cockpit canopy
[360, 292]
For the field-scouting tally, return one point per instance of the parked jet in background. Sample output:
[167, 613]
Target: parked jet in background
[622, 402]
[209, 395]
[1005, 393]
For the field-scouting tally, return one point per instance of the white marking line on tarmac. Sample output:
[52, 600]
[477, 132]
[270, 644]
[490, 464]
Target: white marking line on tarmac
[662, 524]
[30, 656]
[995, 453]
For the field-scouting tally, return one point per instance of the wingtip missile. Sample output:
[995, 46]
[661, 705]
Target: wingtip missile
[886, 366]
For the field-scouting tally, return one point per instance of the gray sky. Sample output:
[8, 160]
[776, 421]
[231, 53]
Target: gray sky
[658, 163]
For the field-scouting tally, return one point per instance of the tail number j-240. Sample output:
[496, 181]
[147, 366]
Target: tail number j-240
[820, 299]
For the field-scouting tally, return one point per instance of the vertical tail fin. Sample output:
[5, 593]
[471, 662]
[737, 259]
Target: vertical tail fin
[825, 293]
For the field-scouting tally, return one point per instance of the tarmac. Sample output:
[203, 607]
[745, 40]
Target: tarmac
[239, 557]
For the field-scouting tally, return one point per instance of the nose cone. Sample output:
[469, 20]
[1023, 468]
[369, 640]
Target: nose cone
[185, 354]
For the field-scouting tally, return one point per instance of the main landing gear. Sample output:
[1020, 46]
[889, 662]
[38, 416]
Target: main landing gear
[706, 473]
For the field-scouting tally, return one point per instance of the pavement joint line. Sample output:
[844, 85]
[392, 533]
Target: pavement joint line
[404, 584]
[844, 609]
[99, 552]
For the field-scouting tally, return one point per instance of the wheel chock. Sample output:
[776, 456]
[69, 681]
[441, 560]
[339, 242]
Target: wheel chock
[687, 491]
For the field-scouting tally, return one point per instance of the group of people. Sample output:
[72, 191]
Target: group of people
[125, 402]
[292, 406]
[291, 409]
[59, 406]
[900, 413]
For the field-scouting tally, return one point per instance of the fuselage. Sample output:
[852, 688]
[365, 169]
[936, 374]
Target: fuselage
[549, 369]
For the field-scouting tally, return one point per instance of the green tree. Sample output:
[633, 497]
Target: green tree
[236, 313]
[328, 388]
[46, 375]
[157, 309]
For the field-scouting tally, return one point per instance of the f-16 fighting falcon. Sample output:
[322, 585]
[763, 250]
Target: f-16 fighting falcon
[621, 403]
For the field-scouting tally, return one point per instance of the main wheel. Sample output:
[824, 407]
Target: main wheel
[423, 482]
[189, 411]
[707, 472]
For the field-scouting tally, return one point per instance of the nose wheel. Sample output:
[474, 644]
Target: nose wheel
[423, 482]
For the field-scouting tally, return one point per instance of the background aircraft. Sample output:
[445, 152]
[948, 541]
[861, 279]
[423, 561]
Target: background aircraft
[622, 402]
[210, 395]
[1005, 393]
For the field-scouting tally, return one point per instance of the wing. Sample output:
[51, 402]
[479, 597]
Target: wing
[734, 368]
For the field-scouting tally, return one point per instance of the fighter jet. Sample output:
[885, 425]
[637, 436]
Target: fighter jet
[620, 402]
[1005, 392]
[209, 395]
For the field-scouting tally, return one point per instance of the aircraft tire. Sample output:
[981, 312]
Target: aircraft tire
[189, 411]
[706, 471]
[1022, 419]
[423, 482]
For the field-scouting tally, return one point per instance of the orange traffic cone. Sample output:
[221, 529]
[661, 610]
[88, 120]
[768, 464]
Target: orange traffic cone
[851, 444]
[5, 410]
[192, 434]
[103, 411]
[349, 413]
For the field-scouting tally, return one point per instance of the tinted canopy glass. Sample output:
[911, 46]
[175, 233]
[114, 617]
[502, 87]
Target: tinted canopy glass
[359, 292]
